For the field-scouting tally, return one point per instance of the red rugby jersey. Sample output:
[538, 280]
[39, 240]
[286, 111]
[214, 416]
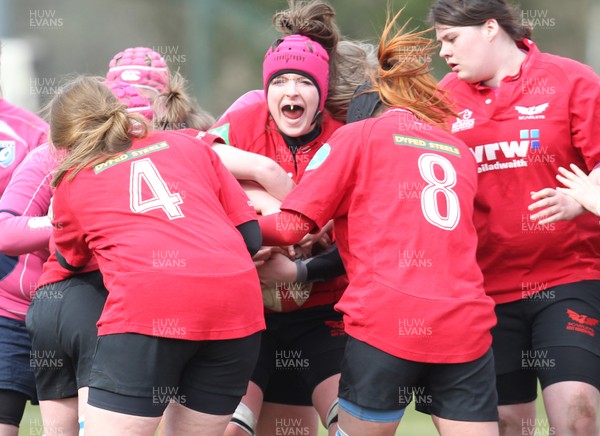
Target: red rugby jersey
[252, 129]
[160, 219]
[520, 133]
[401, 194]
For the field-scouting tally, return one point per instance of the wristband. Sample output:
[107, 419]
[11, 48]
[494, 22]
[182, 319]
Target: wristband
[598, 208]
[301, 271]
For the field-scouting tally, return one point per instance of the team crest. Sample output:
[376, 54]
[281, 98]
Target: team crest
[7, 153]
[532, 112]
[319, 157]
[465, 122]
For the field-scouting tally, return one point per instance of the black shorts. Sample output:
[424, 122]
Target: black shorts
[374, 379]
[139, 375]
[298, 351]
[539, 336]
[61, 321]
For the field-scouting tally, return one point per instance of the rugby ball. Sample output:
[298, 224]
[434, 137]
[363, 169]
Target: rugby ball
[285, 297]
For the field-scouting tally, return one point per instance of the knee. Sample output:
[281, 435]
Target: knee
[582, 415]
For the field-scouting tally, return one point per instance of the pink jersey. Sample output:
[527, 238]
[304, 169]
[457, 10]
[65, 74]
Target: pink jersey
[401, 195]
[20, 132]
[160, 219]
[520, 133]
[25, 228]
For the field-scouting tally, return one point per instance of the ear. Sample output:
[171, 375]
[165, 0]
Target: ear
[491, 28]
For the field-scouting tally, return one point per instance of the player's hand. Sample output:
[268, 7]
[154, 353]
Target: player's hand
[322, 237]
[580, 187]
[261, 256]
[278, 269]
[552, 206]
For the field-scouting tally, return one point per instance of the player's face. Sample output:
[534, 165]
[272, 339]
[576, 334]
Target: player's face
[467, 51]
[293, 102]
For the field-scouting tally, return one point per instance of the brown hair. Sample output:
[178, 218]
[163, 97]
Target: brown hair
[175, 109]
[464, 13]
[356, 61]
[90, 124]
[350, 62]
[404, 77]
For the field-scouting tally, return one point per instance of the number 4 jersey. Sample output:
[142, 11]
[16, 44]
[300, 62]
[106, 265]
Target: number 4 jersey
[160, 219]
[401, 193]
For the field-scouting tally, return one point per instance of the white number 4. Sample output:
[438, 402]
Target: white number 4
[436, 187]
[143, 172]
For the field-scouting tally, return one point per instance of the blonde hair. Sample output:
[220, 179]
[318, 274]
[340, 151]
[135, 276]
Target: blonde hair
[404, 75]
[90, 124]
[175, 109]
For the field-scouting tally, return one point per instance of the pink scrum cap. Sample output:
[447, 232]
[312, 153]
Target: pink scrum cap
[301, 55]
[129, 96]
[141, 67]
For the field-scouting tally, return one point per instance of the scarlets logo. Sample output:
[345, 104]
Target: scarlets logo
[532, 112]
[582, 323]
[336, 328]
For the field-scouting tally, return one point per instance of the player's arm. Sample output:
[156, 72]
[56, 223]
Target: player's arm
[23, 234]
[264, 203]
[255, 167]
[285, 228]
[280, 268]
[252, 237]
[24, 225]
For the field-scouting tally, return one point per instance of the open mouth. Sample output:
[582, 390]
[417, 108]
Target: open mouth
[452, 65]
[292, 111]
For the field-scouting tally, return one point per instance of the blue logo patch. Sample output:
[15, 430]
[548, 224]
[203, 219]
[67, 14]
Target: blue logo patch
[319, 157]
[533, 135]
[7, 153]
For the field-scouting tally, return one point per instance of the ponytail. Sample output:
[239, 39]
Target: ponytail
[404, 76]
[90, 124]
[175, 109]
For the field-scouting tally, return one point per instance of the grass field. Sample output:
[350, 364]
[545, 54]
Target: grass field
[413, 423]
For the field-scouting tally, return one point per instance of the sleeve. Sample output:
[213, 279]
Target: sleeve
[252, 237]
[71, 250]
[326, 188]
[584, 106]
[236, 203]
[24, 205]
[325, 266]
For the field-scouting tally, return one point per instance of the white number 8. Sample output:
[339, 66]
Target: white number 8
[429, 196]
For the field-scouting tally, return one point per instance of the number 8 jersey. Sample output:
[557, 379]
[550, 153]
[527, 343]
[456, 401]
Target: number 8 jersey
[401, 192]
[160, 219]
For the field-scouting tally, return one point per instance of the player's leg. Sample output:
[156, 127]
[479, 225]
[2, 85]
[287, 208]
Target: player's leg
[211, 386]
[322, 344]
[132, 380]
[567, 357]
[244, 419]
[17, 382]
[60, 417]
[461, 398]
[516, 383]
[325, 400]
[12, 406]
[276, 419]
[572, 408]
[375, 388]
[62, 324]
